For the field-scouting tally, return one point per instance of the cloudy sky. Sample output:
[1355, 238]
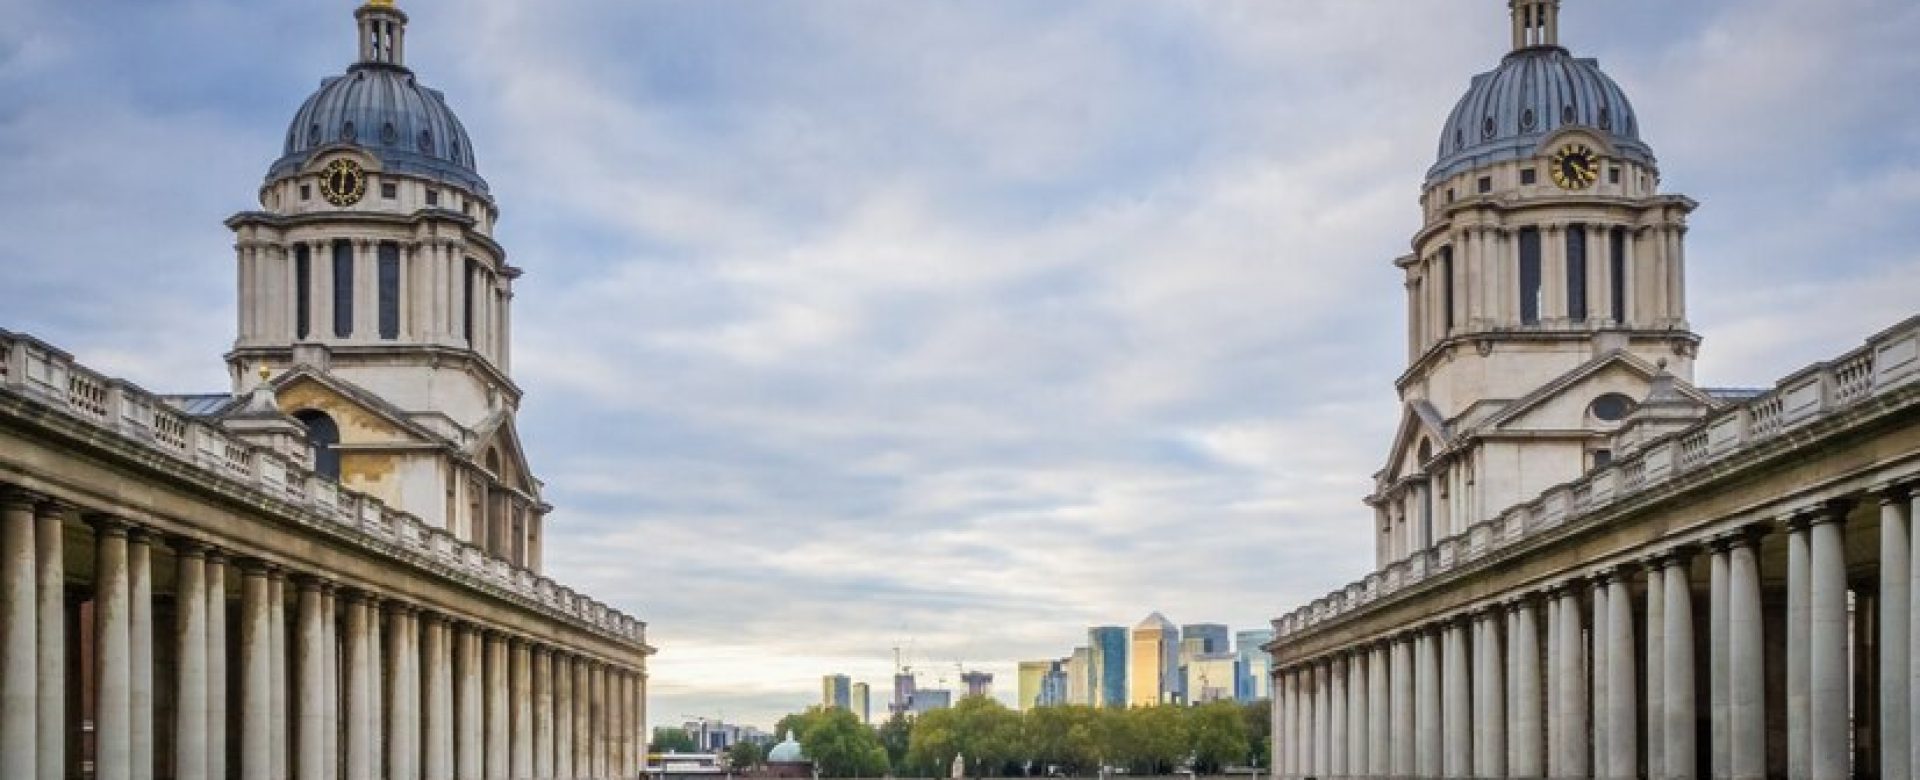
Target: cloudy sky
[952, 326]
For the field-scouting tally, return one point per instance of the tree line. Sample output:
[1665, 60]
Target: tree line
[999, 742]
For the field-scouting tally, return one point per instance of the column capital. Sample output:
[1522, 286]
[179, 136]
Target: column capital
[1748, 535]
[313, 582]
[188, 547]
[1894, 491]
[109, 525]
[1828, 511]
[1677, 555]
[253, 567]
[216, 555]
[398, 607]
[12, 497]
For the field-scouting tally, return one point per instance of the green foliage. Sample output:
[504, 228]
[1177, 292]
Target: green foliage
[1063, 739]
[840, 745]
[744, 755]
[895, 735]
[1160, 738]
[667, 739]
[1218, 733]
[1259, 718]
[979, 728]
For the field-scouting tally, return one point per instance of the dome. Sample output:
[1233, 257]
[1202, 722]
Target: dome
[788, 751]
[1535, 92]
[379, 107]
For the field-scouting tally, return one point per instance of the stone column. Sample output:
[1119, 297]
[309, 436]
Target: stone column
[1746, 655]
[1623, 725]
[1356, 712]
[1427, 711]
[1913, 628]
[1456, 723]
[1281, 720]
[329, 681]
[1896, 615]
[401, 716]
[521, 699]
[278, 696]
[1379, 713]
[359, 709]
[1573, 748]
[1718, 694]
[543, 713]
[495, 698]
[1528, 760]
[19, 641]
[256, 674]
[140, 650]
[1799, 702]
[113, 707]
[1404, 754]
[1677, 659]
[1597, 675]
[1336, 717]
[1827, 648]
[310, 745]
[217, 720]
[190, 661]
[469, 756]
[1490, 711]
[582, 718]
[1550, 667]
[377, 737]
[1656, 679]
[562, 716]
[1322, 718]
[438, 700]
[50, 593]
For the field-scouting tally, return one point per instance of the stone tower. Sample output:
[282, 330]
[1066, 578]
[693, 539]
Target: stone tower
[1545, 291]
[374, 298]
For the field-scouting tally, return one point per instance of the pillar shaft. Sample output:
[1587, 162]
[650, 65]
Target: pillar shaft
[1528, 760]
[563, 716]
[1827, 649]
[495, 697]
[1719, 695]
[359, 706]
[1356, 713]
[280, 699]
[1379, 714]
[438, 702]
[50, 592]
[401, 717]
[1746, 664]
[1490, 710]
[1426, 675]
[468, 754]
[1896, 616]
[19, 641]
[1456, 721]
[1599, 647]
[113, 707]
[216, 589]
[520, 660]
[140, 652]
[190, 663]
[1568, 661]
[1403, 723]
[543, 714]
[1678, 663]
[1623, 725]
[1336, 719]
[256, 676]
[1655, 712]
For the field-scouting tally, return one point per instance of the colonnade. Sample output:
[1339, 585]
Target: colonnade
[206, 663]
[1757, 651]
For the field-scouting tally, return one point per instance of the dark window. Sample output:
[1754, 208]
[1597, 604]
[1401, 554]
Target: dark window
[389, 190]
[1530, 276]
[1613, 175]
[1446, 282]
[1612, 407]
[302, 290]
[466, 299]
[433, 197]
[1617, 274]
[1527, 176]
[1449, 194]
[342, 288]
[1485, 185]
[306, 192]
[324, 437]
[389, 290]
[1601, 458]
[1577, 272]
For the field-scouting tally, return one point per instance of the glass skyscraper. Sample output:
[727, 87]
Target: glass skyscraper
[1254, 682]
[1107, 665]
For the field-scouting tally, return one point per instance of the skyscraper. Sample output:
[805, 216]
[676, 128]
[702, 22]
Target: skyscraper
[1212, 636]
[978, 683]
[1153, 662]
[1053, 685]
[835, 691]
[1255, 681]
[1080, 677]
[1032, 676]
[861, 702]
[1107, 665]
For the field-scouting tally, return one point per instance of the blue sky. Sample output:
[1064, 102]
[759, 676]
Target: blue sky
[953, 325]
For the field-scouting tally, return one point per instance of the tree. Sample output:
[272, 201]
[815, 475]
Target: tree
[667, 739]
[1218, 734]
[1160, 738]
[1259, 719]
[979, 728]
[896, 735]
[1062, 738]
[745, 755]
[839, 745]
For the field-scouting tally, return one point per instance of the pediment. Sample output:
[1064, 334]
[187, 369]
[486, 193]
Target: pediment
[1419, 423]
[1566, 402]
[362, 417]
[496, 448]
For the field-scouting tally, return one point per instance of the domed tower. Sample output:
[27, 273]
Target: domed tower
[374, 298]
[1545, 289]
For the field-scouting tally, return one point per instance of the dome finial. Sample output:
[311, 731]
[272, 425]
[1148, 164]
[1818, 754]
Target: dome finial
[1535, 23]
[383, 33]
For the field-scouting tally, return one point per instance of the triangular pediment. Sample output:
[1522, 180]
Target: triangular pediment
[363, 418]
[496, 447]
[1565, 403]
[1419, 423]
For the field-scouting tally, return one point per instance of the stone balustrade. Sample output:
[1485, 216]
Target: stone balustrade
[33, 370]
[1889, 360]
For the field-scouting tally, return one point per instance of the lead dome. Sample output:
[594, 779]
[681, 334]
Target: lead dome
[378, 106]
[1538, 89]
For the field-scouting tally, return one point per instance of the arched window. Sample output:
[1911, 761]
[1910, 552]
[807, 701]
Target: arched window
[1529, 276]
[324, 436]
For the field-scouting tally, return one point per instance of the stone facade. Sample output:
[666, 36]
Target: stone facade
[1693, 584]
[332, 572]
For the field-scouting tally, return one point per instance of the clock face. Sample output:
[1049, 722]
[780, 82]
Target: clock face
[1575, 167]
[343, 182]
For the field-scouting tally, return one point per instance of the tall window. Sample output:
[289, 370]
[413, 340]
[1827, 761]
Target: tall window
[302, 290]
[1530, 276]
[1446, 282]
[1577, 272]
[1617, 274]
[466, 298]
[343, 288]
[389, 290]
[324, 437]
